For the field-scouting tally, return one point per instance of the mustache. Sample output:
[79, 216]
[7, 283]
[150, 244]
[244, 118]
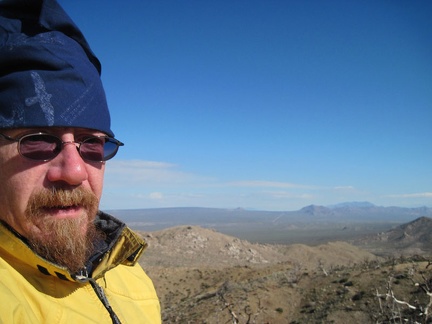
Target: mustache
[62, 198]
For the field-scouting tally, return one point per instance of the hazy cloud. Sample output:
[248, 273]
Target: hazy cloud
[152, 184]
[156, 195]
[412, 195]
[288, 195]
[268, 184]
[344, 188]
[120, 173]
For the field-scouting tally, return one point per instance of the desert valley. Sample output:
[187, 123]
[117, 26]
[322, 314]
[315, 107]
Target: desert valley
[353, 263]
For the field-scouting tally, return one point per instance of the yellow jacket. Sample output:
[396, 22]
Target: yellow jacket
[33, 290]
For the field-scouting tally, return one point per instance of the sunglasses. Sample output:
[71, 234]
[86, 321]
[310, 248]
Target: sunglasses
[45, 147]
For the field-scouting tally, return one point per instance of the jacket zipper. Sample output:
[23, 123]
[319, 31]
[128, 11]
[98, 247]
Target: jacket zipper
[102, 297]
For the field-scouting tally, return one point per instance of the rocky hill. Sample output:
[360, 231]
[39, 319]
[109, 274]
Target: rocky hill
[193, 246]
[407, 239]
[203, 276]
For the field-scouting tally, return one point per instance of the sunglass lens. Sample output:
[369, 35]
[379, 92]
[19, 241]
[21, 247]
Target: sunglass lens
[110, 149]
[40, 147]
[92, 149]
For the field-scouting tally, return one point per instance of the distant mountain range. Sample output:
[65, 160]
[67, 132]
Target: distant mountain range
[365, 211]
[359, 204]
[312, 215]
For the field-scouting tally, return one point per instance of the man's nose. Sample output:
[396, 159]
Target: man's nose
[68, 166]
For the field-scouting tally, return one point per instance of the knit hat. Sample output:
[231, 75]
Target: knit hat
[49, 76]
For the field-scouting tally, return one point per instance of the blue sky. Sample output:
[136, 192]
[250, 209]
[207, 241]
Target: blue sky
[270, 105]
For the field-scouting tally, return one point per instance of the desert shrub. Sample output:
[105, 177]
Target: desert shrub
[358, 296]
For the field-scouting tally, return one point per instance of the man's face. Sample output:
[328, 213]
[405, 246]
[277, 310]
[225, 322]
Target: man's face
[59, 197]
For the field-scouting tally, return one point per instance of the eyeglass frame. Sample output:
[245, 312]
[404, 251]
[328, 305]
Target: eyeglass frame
[63, 143]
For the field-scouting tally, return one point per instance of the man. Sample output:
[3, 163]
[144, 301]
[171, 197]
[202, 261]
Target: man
[61, 260]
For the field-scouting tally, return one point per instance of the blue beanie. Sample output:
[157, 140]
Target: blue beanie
[49, 77]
